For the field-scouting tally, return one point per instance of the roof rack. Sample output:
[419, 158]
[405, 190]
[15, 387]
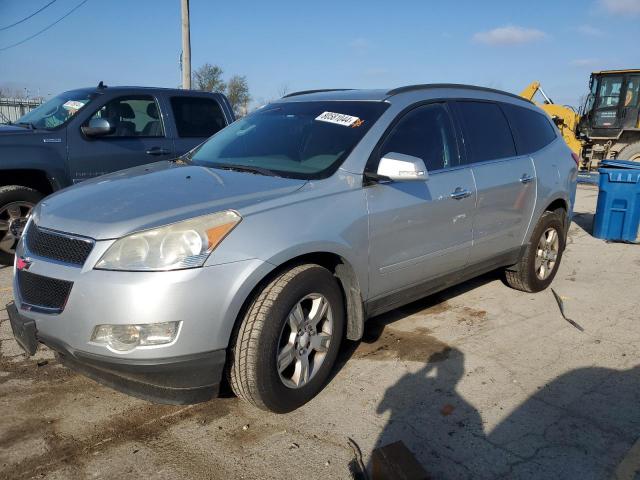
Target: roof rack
[425, 86]
[305, 92]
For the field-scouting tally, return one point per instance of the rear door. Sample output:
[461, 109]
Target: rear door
[195, 119]
[505, 180]
[419, 231]
[138, 138]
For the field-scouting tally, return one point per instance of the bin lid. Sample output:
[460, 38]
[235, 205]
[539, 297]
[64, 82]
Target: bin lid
[620, 164]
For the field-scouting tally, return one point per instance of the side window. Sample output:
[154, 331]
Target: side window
[532, 130]
[134, 116]
[425, 132]
[486, 132]
[197, 117]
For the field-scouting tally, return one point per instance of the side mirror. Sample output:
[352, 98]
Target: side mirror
[97, 127]
[402, 168]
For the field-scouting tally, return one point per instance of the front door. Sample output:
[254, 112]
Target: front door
[420, 231]
[138, 138]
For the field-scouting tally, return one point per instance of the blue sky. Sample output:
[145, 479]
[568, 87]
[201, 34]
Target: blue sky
[300, 45]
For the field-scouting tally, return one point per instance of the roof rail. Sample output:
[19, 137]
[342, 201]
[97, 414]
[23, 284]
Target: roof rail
[425, 86]
[320, 90]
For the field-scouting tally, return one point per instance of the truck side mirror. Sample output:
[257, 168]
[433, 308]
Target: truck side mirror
[97, 127]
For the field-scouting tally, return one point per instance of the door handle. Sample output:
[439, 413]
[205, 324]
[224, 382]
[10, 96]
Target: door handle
[526, 178]
[158, 151]
[460, 193]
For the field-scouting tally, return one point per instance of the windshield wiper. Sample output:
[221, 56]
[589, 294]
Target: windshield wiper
[28, 125]
[246, 168]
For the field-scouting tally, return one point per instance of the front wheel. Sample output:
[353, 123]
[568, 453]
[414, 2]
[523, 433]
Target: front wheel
[16, 203]
[287, 343]
[540, 261]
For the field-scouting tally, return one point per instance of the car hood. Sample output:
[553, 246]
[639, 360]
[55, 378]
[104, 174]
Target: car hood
[144, 197]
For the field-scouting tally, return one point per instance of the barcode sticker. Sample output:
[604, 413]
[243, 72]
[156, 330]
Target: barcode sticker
[339, 119]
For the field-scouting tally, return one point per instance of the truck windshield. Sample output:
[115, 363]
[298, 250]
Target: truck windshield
[609, 95]
[57, 111]
[293, 139]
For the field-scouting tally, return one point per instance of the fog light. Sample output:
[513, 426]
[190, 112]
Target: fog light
[123, 338]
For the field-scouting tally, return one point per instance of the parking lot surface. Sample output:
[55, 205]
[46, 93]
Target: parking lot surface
[480, 381]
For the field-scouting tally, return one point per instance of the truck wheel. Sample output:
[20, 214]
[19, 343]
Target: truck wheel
[288, 341]
[540, 261]
[630, 152]
[16, 203]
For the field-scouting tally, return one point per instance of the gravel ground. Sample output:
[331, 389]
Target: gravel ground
[480, 381]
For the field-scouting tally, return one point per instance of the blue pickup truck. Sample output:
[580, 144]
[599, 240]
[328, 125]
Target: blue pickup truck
[88, 132]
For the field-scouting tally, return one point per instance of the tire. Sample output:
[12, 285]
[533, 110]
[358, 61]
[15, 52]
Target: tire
[264, 333]
[630, 152]
[525, 275]
[12, 199]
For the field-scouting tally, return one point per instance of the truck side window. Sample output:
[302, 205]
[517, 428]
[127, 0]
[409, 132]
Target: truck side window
[197, 117]
[134, 116]
[427, 133]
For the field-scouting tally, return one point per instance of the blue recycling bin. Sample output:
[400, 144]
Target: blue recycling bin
[618, 210]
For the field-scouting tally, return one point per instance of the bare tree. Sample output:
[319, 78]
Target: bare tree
[208, 78]
[283, 89]
[238, 94]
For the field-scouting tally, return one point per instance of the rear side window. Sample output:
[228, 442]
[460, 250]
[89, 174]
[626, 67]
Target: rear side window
[486, 132]
[427, 133]
[197, 117]
[531, 130]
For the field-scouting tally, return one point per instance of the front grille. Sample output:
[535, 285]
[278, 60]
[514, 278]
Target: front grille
[45, 292]
[58, 246]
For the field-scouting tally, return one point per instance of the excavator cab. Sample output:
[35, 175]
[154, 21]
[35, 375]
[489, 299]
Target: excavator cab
[612, 104]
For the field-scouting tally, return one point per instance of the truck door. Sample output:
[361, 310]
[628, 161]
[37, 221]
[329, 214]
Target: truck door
[607, 109]
[138, 137]
[630, 102]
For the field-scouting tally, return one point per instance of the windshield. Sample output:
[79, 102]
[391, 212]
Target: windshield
[56, 111]
[609, 95]
[298, 139]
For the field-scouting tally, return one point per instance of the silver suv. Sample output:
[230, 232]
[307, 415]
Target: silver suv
[255, 254]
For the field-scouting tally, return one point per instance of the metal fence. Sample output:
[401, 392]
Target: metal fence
[11, 109]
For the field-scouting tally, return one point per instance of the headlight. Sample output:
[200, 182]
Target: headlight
[185, 244]
[123, 338]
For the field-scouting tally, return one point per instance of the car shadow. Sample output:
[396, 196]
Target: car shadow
[584, 425]
[375, 326]
[584, 220]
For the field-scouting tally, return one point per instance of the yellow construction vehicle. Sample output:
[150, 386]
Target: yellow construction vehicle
[608, 123]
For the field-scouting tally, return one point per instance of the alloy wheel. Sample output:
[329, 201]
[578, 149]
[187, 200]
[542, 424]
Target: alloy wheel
[547, 253]
[13, 219]
[304, 340]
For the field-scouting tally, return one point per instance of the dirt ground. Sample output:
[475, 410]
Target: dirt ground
[480, 381]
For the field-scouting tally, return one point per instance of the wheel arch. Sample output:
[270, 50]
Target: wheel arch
[340, 268]
[31, 178]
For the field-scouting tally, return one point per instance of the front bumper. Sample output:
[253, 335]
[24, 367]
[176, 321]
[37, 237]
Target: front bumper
[177, 380]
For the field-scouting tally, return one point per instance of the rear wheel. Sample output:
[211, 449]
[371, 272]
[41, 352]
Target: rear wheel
[16, 203]
[539, 263]
[630, 152]
[288, 340]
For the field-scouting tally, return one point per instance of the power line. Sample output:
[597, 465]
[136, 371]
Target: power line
[46, 28]
[27, 18]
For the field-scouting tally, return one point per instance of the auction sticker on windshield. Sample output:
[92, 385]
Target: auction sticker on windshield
[339, 119]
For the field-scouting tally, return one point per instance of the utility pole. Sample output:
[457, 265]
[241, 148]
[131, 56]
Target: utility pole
[186, 46]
